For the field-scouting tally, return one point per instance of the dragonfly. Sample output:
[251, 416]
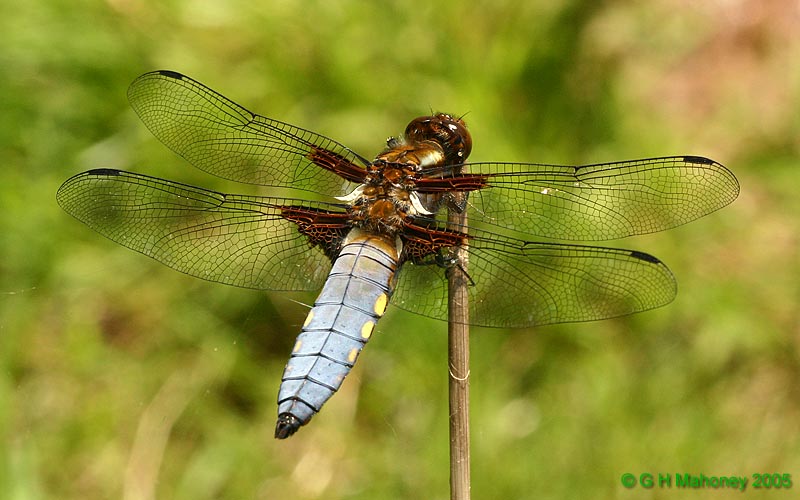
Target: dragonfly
[369, 232]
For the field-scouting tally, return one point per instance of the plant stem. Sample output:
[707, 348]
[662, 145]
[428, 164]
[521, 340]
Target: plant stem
[458, 360]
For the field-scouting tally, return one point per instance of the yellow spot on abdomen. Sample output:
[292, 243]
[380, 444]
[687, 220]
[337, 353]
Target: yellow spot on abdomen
[297, 345]
[352, 355]
[366, 330]
[308, 318]
[380, 304]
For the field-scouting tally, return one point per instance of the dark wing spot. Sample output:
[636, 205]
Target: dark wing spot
[104, 171]
[698, 159]
[170, 74]
[644, 256]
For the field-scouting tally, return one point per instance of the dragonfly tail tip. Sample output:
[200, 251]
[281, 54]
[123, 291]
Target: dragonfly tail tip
[286, 426]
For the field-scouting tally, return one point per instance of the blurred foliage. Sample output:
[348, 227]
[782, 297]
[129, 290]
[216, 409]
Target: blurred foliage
[122, 378]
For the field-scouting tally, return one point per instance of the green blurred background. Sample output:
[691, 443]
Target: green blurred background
[120, 378]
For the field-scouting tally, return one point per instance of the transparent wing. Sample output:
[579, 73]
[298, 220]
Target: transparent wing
[237, 240]
[521, 284]
[599, 202]
[220, 137]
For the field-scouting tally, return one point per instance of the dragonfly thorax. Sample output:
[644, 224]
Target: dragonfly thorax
[383, 202]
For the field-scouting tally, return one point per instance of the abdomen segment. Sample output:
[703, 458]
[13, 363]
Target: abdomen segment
[341, 322]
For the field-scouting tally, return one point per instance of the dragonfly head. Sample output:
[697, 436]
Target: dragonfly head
[446, 130]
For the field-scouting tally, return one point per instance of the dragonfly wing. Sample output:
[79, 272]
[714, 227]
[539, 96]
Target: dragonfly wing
[223, 138]
[244, 241]
[521, 284]
[596, 202]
